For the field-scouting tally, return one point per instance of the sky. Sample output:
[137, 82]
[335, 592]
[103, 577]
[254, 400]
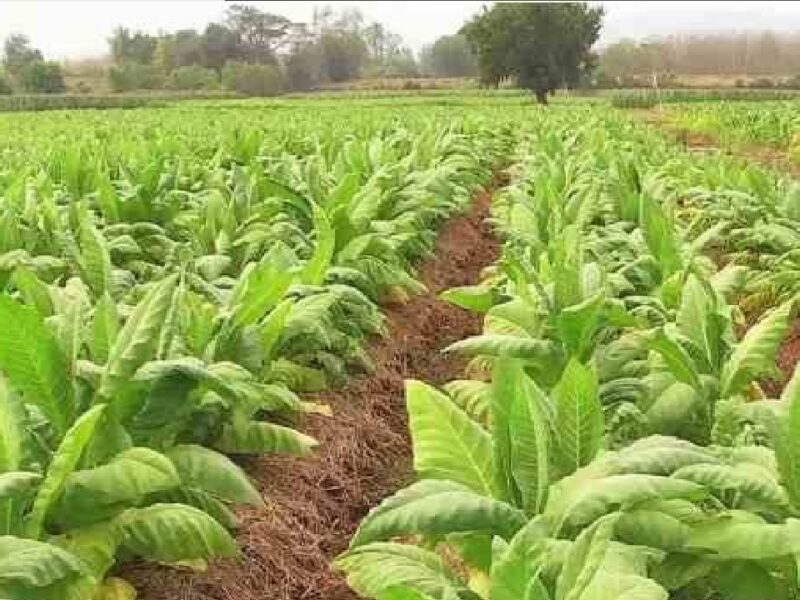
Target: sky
[79, 28]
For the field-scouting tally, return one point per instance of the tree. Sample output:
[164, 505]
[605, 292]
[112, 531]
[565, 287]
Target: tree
[343, 55]
[253, 80]
[43, 78]
[219, 45]
[18, 54]
[137, 47]
[304, 66]
[450, 56]
[260, 34]
[543, 46]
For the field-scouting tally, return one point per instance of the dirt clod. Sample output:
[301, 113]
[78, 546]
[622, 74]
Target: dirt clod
[314, 504]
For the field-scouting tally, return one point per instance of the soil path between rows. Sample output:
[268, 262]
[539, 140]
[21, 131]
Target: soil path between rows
[314, 504]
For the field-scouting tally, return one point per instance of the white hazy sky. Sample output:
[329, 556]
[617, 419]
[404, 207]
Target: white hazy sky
[79, 28]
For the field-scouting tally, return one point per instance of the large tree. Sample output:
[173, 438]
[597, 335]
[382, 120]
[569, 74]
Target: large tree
[260, 34]
[18, 54]
[135, 47]
[543, 46]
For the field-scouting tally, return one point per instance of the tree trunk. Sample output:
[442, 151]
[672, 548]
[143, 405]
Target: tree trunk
[541, 96]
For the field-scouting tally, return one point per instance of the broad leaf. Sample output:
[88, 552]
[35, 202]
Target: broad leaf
[447, 443]
[431, 507]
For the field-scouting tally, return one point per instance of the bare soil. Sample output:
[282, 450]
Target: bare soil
[314, 504]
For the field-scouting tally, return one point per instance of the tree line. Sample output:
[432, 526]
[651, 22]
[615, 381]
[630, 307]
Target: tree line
[252, 52]
[753, 54]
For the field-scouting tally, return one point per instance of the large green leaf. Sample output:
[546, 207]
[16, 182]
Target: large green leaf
[542, 351]
[734, 539]
[95, 546]
[477, 298]
[577, 323]
[656, 455]
[584, 558]
[32, 361]
[516, 566]
[259, 437]
[95, 259]
[748, 480]
[314, 270]
[693, 315]
[262, 286]
[12, 429]
[138, 339]
[432, 507]
[472, 396]
[374, 568]
[651, 528]
[61, 467]
[128, 477]
[580, 416]
[678, 360]
[174, 532]
[580, 499]
[614, 586]
[521, 436]
[660, 235]
[105, 327]
[447, 443]
[30, 563]
[786, 439]
[214, 473]
[755, 354]
[673, 410]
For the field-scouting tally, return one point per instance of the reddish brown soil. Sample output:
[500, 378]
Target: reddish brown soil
[314, 504]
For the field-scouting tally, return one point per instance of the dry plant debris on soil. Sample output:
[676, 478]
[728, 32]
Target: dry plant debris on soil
[314, 504]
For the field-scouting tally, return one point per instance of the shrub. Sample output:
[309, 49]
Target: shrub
[253, 80]
[193, 77]
[42, 78]
[134, 76]
[5, 84]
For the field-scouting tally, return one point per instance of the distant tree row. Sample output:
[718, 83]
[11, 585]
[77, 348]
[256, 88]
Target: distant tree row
[258, 53]
[734, 54]
[25, 70]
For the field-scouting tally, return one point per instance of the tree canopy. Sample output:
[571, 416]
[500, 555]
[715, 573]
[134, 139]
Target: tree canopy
[449, 56]
[543, 46]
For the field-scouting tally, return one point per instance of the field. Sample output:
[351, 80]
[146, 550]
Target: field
[407, 347]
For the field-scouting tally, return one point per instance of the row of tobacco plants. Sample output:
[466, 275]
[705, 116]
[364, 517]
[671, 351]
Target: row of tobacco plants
[612, 439]
[169, 282]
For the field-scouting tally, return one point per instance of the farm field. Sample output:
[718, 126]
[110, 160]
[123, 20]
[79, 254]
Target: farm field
[536, 352]
[775, 124]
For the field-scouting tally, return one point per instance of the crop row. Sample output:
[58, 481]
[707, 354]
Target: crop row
[623, 432]
[166, 290]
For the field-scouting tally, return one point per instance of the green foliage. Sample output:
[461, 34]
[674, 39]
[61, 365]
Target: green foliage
[252, 80]
[193, 77]
[542, 46]
[42, 78]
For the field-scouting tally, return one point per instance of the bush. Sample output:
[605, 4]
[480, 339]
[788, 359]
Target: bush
[42, 78]
[5, 85]
[253, 80]
[134, 76]
[194, 77]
